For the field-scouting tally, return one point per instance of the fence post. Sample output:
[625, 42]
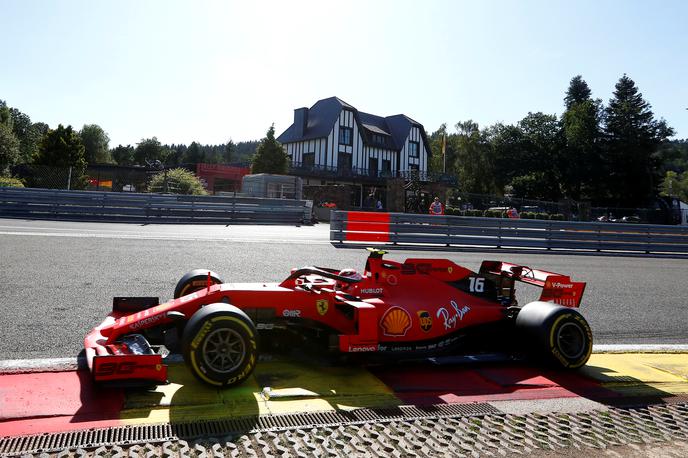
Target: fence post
[69, 179]
[232, 216]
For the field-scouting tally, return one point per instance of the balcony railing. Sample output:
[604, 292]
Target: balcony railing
[325, 171]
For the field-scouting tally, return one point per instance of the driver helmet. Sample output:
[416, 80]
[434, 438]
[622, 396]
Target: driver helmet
[350, 273]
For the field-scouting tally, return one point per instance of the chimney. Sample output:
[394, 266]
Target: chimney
[300, 121]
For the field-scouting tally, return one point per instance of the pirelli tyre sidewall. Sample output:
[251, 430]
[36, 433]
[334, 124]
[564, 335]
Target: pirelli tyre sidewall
[559, 335]
[195, 280]
[220, 345]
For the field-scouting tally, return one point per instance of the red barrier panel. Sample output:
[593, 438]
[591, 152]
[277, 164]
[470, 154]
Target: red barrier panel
[367, 227]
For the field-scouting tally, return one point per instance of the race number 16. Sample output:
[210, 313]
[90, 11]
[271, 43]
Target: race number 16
[476, 285]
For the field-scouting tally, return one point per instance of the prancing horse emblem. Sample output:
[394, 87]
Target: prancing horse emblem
[323, 306]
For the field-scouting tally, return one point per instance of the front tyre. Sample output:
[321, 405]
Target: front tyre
[559, 335]
[195, 280]
[220, 345]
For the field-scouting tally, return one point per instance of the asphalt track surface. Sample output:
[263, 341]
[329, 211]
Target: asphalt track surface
[57, 279]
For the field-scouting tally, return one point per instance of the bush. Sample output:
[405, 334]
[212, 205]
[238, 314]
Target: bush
[541, 216]
[179, 181]
[557, 217]
[527, 215]
[9, 182]
[494, 214]
[473, 213]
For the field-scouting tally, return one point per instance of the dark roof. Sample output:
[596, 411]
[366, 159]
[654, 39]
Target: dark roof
[323, 114]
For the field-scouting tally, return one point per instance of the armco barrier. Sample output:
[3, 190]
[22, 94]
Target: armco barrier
[149, 208]
[402, 230]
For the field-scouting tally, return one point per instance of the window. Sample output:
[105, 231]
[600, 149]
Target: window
[308, 159]
[372, 167]
[414, 149]
[386, 168]
[346, 135]
[281, 191]
[379, 139]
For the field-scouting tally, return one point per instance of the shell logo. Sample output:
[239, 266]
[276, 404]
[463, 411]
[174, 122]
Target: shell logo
[395, 322]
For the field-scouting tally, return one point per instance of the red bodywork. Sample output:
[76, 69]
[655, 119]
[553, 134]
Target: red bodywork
[420, 304]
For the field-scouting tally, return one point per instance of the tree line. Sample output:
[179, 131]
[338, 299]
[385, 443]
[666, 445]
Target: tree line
[614, 155]
[35, 143]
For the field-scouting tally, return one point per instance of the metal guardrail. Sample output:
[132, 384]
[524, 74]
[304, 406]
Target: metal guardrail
[149, 208]
[458, 233]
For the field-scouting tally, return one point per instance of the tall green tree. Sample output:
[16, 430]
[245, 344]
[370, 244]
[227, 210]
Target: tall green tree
[675, 185]
[509, 151]
[633, 136]
[473, 162]
[194, 154]
[5, 116]
[673, 155]
[27, 133]
[543, 145]
[229, 151]
[149, 150]
[123, 155]
[9, 149]
[270, 156]
[580, 161]
[62, 148]
[578, 92]
[96, 143]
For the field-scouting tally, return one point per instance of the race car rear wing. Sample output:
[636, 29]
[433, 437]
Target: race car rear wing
[556, 288]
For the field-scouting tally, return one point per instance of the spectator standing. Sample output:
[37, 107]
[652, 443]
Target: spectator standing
[436, 207]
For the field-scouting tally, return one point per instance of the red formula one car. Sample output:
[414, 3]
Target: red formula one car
[418, 308]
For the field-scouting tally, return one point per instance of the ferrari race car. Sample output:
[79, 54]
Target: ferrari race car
[415, 309]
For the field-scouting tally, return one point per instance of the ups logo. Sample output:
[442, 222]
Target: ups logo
[425, 320]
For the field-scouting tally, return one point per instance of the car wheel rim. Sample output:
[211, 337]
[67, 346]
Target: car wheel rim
[223, 350]
[571, 341]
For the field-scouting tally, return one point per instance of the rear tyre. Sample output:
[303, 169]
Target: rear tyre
[220, 345]
[194, 281]
[556, 334]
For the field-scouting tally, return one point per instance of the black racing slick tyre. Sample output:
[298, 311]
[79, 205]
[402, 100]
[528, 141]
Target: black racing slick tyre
[195, 280]
[220, 345]
[559, 335]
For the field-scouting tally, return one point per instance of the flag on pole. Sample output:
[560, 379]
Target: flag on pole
[444, 152]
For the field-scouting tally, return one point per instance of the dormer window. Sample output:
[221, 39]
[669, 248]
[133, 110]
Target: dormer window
[346, 135]
[379, 139]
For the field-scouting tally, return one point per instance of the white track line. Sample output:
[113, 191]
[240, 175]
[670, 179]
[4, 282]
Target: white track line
[10, 366]
[171, 237]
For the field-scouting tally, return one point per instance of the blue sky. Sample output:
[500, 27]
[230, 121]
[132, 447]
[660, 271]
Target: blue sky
[213, 70]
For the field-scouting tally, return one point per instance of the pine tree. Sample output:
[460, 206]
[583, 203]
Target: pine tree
[581, 164]
[578, 92]
[270, 156]
[633, 136]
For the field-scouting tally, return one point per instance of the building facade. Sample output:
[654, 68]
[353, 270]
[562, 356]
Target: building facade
[334, 143]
